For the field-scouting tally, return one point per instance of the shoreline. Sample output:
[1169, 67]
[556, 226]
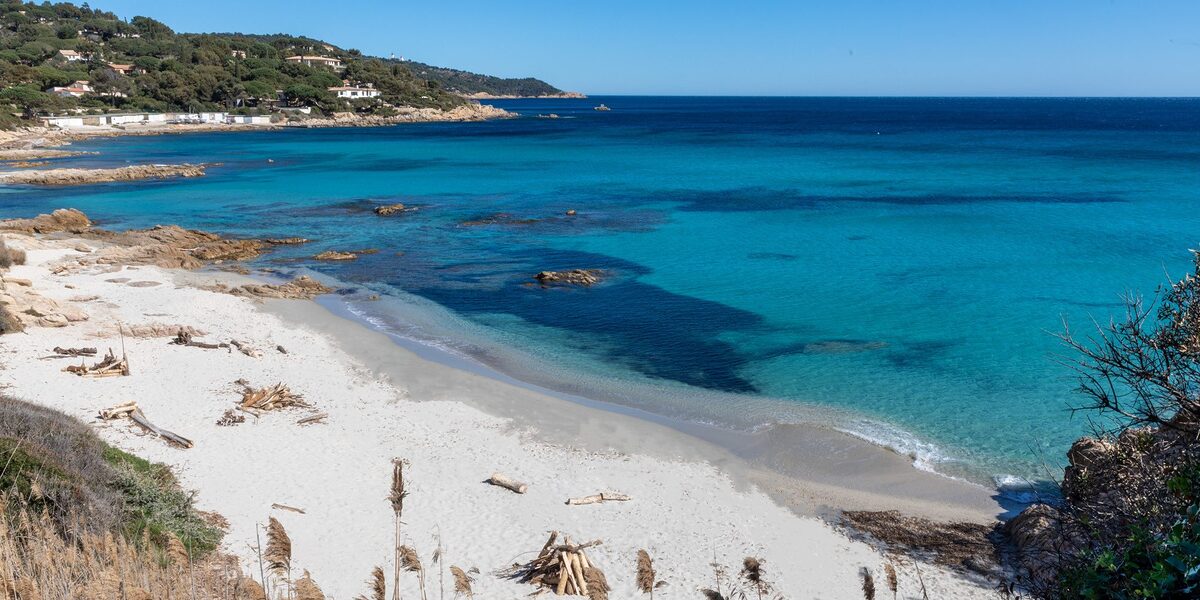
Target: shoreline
[810, 453]
[690, 496]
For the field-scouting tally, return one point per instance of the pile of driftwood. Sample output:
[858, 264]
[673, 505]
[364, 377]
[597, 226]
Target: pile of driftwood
[130, 409]
[275, 397]
[564, 569]
[110, 366]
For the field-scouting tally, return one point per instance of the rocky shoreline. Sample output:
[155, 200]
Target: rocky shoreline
[60, 177]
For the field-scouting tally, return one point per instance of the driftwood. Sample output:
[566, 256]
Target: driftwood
[317, 418]
[505, 481]
[60, 352]
[599, 498]
[184, 338]
[245, 348]
[278, 506]
[564, 569]
[130, 410]
[270, 398]
[108, 367]
[281, 349]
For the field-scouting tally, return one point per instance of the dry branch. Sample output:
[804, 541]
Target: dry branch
[563, 569]
[278, 506]
[130, 409]
[317, 418]
[184, 338]
[270, 398]
[599, 498]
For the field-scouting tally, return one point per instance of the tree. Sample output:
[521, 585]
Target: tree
[29, 99]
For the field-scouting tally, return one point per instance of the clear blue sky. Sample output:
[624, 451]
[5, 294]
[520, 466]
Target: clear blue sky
[768, 47]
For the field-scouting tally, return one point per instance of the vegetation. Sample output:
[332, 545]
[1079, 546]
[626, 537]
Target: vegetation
[463, 82]
[159, 69]
[1132, 494]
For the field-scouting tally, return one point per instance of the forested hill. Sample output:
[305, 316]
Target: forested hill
[467, 83]
[62, 57]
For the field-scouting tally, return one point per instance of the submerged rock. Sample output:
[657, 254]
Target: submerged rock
[335, 255]
[499, 219]
[300, 288]
[583, 277]
[288, 241]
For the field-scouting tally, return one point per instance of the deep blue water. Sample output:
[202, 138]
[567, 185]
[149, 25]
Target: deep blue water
[893, 267]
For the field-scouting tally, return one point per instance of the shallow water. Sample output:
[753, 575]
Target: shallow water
[893, 267]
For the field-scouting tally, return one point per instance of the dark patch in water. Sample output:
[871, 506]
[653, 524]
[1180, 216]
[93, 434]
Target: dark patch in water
[755, 199]
[828, 346]
[676, 339]
[772, 256]
[858, 238]
[920, 354]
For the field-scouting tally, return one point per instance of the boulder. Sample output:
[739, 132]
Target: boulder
[390, 209]
[63, 219]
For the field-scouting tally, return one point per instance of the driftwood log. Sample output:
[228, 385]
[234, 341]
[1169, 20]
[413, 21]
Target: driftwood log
[60, 352]
[599, 498]
[317, 418]
[279, 506]
[184, 338]
[130, 409]
[505, 481]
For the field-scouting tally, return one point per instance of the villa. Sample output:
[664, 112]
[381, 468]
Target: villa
[75, 90]
[316, 61]
[70, 55]
[121, 69]
[366, 90]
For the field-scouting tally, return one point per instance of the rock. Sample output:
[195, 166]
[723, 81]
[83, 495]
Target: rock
[335, 255]
[571, 213]
[391, 209]
[88, 176]
[303, 287]
[499, 219]
[53, 320]
[19, 281]
[584, 277]
[63, 219]
[73, 314]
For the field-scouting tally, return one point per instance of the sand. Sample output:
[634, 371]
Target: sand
[692, 502]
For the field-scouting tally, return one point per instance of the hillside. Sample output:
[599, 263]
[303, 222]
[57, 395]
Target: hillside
[56, 58]
[468, 84]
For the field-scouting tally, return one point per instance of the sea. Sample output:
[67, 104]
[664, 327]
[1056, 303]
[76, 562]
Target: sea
[896, 268]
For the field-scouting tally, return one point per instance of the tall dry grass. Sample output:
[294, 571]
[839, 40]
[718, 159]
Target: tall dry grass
[39, 561]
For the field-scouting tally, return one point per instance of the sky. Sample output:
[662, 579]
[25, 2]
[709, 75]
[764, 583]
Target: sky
[765, 47]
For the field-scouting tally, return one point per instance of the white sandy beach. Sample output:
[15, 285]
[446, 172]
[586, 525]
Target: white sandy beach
[689, 505]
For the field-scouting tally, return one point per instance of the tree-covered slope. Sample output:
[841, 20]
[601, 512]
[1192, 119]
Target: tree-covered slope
[467, 83]
[142, 64]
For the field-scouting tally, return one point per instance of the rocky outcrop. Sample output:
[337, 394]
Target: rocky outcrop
[28, 154]
[88, 176]
[389, 210]
[335, 255]
[288, 241]
[172, 247]
[23, 307]
[63, 219]
[300, 288]
[465, 112]
[582, 277]
[1110, 486]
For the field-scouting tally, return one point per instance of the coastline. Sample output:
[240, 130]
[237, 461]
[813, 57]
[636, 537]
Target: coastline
[378, 392]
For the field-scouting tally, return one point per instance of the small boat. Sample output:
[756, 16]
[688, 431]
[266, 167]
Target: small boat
[602, 107]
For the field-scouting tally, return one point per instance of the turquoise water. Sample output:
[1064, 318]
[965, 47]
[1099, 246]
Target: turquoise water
[893, 267]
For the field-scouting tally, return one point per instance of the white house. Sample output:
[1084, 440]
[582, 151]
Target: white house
[316, 61]
[354, 92]
[249, 119]
[75, 90]
[70, 55]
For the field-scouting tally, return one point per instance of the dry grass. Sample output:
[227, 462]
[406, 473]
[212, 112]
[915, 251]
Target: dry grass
[971, 547]
[462, 582]
[893, 582]
[279, 550]
[868, 584]
[10, 256]
[41, 562]
[645, 573]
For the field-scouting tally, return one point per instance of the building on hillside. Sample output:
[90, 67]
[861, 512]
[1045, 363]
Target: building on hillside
[75, 90]
[316, 61]
[121, 69]
[237, 53]
[354, 92]
[71, 56]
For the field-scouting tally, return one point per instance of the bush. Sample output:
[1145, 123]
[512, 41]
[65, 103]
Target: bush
[57, 464]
